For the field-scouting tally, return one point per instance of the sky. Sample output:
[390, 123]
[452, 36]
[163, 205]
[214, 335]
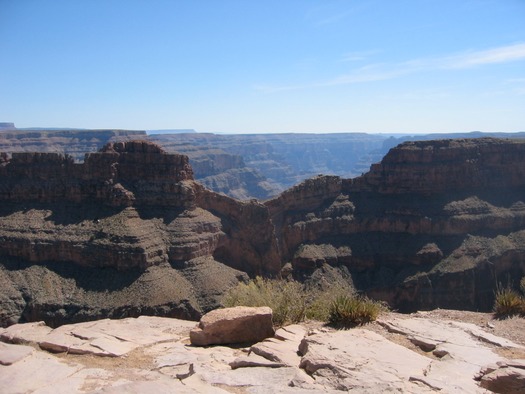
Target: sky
[258, 66]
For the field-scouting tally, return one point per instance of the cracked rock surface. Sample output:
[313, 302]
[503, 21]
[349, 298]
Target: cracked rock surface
[154, 354]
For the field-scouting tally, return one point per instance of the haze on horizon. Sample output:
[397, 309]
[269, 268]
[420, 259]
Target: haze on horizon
[236, 66]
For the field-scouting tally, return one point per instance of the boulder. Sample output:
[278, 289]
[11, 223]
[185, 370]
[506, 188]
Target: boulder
[505, 377]
[233, 325]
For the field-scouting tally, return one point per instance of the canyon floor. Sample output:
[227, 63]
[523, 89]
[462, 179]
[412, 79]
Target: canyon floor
[443, 351]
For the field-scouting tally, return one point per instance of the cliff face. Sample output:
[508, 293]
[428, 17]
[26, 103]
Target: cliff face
[132, 210]
[435, 224]
[122, 174]
[422, 167]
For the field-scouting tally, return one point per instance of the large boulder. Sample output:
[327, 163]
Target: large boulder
[239, 324]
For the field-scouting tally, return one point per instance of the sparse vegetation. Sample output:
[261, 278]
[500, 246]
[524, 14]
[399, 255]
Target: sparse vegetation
[286, 298]
[291, 302]
[508, 302]
[522, 285]
[349, 311]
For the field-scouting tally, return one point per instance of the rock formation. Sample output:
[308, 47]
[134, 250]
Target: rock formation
[262, 165]
[166, 245]
[237, 325]
[130, 232]
[152, 354]
[73, 142]
[7, 126]
[435, 224]
[240, 166]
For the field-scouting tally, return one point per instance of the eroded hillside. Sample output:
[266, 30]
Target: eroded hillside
[130, 232]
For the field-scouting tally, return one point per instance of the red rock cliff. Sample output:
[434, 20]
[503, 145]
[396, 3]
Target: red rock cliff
[122, 174]
[441, 166]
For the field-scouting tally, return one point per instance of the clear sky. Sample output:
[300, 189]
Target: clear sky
[264, 65]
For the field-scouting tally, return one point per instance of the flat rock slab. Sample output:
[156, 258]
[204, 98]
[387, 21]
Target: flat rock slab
[10, 354]
[464, 350]
[362, 361]
[25, 333]
[113, 338]
[163, 386]
[39, 372]
[239, 324]
[358, 360]
[484, 336]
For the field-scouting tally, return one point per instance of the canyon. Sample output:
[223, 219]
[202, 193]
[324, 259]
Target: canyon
[242, 166]
[128, 231]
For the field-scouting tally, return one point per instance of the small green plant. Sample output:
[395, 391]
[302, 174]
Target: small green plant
[321, 301]
[350, 311]
[522, 285]
[508, 302]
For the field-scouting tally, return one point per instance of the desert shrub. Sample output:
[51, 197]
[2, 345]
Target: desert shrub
[286, 298]
[508, 302]
[291, 302]
[352, 310]
[320, 301]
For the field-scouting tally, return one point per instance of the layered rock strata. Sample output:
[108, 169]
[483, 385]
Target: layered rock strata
[73, 142]
[134, 212]
[435, 224]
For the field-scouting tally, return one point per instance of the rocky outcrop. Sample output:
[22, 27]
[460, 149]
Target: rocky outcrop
[504, 377]
[235, 325]
[152, 354]
[249, 233]
[7, 126]
[121, 175]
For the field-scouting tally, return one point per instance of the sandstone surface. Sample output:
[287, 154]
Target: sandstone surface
[239, 324]
[299, 359]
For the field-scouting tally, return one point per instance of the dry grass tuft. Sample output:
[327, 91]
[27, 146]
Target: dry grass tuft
[508, 303]
[291, 302]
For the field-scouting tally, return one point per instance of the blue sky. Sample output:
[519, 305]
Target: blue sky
[392, 66]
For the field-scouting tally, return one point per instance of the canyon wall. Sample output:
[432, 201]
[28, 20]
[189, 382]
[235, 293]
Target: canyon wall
[435, 224]
[73, 142]
[130, 212]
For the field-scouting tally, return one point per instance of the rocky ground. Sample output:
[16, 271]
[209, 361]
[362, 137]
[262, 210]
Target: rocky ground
[441, 350]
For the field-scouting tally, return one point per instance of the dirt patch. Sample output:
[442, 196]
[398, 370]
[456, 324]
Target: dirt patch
[136, 359]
